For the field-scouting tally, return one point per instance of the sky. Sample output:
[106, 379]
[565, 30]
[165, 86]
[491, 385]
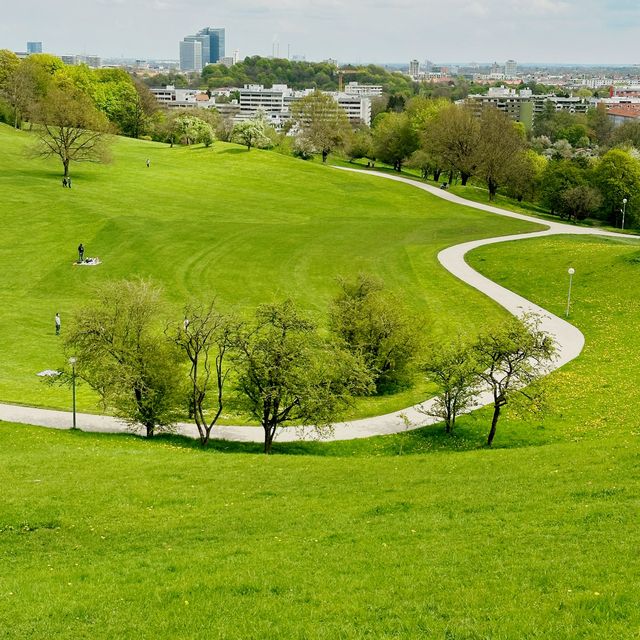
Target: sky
[547, 31]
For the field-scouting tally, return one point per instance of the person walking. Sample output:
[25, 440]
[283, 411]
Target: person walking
[80, 252]
[69, 182]
[58, 323]
[148, 163]
[64, 182]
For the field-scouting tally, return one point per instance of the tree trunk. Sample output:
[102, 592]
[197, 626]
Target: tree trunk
[436, 174]
[324, 155]
[494, 424]
[150, 429]
[463, 178]
[65, 164]
[493, 189]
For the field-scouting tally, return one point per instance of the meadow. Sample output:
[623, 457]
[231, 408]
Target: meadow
[416, 535]
[246, 227]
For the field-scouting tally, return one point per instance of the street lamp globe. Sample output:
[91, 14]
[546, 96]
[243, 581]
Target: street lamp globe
[72, 360]
[571, 271]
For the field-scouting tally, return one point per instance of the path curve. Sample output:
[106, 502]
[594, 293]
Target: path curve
[569, 339]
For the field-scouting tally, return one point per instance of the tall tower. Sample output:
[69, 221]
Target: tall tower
[191, 54]
[215, 49]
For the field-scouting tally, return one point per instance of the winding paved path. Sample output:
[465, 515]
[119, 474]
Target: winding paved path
[569, 339]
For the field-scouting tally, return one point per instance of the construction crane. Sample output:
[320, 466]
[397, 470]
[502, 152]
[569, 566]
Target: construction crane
[342, 72]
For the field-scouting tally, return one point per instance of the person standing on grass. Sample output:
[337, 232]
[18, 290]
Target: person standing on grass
[148, 163]
[58, 323]
[64, 182]
[69, 182]
[80, 252]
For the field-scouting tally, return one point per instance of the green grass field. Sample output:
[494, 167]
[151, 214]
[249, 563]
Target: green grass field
[247, 227]
[415, 535]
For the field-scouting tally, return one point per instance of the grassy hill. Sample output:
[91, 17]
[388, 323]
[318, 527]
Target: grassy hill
[248, 227]
[407, 536]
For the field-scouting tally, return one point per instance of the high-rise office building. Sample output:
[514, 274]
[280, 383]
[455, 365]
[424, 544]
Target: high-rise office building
[191, 54]
[215, 46]
[34, 47]
[211, 49]
[414, 68]
[511, 68]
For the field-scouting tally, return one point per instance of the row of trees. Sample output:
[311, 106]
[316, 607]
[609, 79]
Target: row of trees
[282, 369]
[278, 367]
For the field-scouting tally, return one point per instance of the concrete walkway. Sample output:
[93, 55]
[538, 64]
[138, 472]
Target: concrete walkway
[570, 342]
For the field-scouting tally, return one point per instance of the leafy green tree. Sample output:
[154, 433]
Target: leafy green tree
[498, 144]
[71, 128]
[394, 139]
[321, 122]
[205, 337]
[525, 174]
[557, 177]
[18, 91]
[579, 202]
[600, 124]
[628, 133]
[510, 358]
[252, 133]
[9, 61]
[426, 162]
[359, 144]
[124, 357]
[193, 130]
[617, 175]
[376, 326]
[452, 136]
[289, 375]
[454, 368]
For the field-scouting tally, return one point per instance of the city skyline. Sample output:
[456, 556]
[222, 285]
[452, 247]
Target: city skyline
[566, 31]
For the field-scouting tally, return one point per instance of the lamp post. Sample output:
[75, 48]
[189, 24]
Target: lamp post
[72, 362]
[570, 272]
[624, 208]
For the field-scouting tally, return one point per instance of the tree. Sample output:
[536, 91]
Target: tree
[579, 202]
[453, 366]
[627, 133]
[557, 177]
[617, 175]
[288, 374]
[524, 175]
[71, 129]
[376, 326]
[426, 162]
[193, 130]
[600, 124]
[452, 136]
[499, 143]
[19, 92]
[321, 122]
[252, 133]
[510, 358]
[394, 139]
[358, 144]
[123, 356]
[205, 337]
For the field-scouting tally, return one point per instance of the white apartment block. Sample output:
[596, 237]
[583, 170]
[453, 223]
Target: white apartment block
[368, 90]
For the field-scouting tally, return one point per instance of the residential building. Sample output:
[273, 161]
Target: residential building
[191, 54]
[371, 90]
[621, 113]
[274, 103]
[523, 106]
[414, 68]
[34, 47]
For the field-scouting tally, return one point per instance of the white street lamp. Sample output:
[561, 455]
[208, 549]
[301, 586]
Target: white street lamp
[570, 272]
[72, 362]
[624, 208]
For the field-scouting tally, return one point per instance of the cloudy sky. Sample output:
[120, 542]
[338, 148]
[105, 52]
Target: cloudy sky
[580, 31]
